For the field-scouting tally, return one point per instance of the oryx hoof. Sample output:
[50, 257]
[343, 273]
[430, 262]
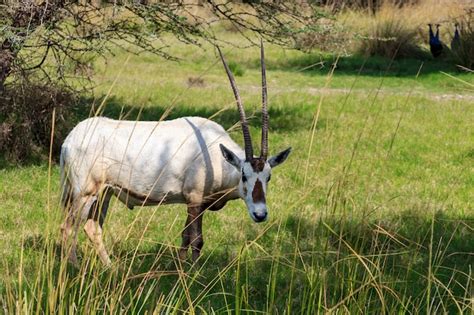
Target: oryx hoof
[183, 254]
[72, 260]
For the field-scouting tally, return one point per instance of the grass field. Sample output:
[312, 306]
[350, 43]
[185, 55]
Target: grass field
[372, 213]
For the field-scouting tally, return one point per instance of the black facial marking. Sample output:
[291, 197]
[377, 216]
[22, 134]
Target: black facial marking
[269, 177]
[258, 195]
[257, 164]
[244, 178]
[280, 157]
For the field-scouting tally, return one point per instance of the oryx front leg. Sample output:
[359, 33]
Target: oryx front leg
[93, 227]
[192, 233]
[94, 232]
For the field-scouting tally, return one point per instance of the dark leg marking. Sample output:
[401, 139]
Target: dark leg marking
[186, 239]
[192, 233]
[102, 203]
[197, 241]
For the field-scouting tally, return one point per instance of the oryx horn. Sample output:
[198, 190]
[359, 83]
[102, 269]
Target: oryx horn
[264, 148]
[243, 119]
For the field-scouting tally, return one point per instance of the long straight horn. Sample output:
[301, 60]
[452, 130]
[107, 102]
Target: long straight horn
[243, 119]
[264, 152]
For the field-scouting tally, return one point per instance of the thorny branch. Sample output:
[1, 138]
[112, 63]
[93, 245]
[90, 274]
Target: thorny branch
[50, 40]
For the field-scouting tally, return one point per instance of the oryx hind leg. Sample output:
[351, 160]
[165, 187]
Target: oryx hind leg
[74, 208]
[94, 223]
[68, 230]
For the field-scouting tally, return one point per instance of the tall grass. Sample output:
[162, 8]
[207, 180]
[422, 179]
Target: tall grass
[332, 265]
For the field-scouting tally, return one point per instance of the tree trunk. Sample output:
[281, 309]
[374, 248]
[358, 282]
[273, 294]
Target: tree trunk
[7, 56]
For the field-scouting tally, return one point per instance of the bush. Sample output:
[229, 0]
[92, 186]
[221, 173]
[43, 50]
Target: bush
[370, 5]
[236, 69]
[390, 35]
[196, 82]
[326, 35]
[464, 51]
[26, 118]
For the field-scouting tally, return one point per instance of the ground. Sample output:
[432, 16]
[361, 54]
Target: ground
[372, 211]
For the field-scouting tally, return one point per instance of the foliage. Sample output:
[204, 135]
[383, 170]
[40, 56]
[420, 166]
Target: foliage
[40, 38]
[368, 5]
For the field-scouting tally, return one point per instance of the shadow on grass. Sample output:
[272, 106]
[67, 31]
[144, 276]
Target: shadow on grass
[335, 256]
[281, 119]
[397, 251]
[314, 63]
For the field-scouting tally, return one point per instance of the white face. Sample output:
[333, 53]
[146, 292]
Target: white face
[253, 189]
[255, 176]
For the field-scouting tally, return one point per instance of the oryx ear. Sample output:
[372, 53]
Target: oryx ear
[230, 157]
[279, 158]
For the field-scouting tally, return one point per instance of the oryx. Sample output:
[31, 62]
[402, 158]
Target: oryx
[189, 160]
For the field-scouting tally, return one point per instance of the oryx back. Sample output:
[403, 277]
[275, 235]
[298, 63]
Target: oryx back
[176, 161]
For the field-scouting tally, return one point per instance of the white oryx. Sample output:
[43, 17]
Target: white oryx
[189, 160]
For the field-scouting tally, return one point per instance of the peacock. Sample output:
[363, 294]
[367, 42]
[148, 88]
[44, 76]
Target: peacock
[436, 47]
[456, 41]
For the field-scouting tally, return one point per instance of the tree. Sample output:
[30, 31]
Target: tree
[46, 40]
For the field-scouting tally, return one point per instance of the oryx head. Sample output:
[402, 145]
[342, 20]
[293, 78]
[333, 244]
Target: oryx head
[255, 171]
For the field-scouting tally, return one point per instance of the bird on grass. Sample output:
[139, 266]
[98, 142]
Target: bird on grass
[436, 47]
[456, 41]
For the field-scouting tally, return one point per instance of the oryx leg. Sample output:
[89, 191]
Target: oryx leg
[94, 223]
[71, 224]
[192, 233]
[68, 230]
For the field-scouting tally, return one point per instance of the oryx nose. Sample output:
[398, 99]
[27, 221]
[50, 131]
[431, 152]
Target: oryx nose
[260, 216]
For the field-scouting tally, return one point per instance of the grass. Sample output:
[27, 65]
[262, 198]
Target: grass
[377, 219]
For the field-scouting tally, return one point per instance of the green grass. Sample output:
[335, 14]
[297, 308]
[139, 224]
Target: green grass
[378, 218]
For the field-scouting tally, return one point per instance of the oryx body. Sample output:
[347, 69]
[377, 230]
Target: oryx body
[147, 163]
[190, 160]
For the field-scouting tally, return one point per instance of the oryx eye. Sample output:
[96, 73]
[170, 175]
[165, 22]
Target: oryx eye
[269, 177]
[244, 178]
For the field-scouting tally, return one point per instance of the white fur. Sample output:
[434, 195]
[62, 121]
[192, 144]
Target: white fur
[177, 161]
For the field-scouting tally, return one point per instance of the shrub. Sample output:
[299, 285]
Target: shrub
[236, 69]
[390, 35]
[464, 51]
[196, 82]
[326, 35]
[26, 118]
[370, 5]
